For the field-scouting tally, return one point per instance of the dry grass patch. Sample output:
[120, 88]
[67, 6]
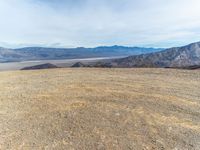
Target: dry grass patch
[100, 109]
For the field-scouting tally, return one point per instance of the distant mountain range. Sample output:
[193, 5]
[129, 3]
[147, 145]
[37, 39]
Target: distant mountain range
[177, 57]
[41, 53]
[186, 57]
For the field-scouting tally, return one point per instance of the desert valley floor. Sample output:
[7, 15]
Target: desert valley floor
[82, 109]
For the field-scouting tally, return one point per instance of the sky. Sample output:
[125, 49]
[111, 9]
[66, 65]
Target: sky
[91, 23]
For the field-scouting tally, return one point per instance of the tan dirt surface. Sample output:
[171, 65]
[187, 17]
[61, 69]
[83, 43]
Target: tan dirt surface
[89, 109]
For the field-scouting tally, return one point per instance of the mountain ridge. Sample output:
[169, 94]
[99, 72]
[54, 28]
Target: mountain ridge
[176, 57]
[46, 53]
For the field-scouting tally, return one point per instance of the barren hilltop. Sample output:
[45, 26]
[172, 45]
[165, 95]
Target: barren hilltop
[100, 109]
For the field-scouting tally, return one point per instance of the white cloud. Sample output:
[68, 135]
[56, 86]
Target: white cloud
[106, 22]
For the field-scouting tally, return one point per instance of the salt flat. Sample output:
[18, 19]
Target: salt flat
[10, 66]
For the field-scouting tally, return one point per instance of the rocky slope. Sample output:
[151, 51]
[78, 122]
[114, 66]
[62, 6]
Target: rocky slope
[178, 57]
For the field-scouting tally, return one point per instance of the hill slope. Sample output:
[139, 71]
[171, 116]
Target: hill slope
[179, 57]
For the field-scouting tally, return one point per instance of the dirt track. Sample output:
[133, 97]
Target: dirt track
[100, 109]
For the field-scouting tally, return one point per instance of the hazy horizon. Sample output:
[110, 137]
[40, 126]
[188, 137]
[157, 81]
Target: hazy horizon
[20, 46]
[92, 23]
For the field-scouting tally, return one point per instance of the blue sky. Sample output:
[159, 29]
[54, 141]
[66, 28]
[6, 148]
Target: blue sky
[90, 23]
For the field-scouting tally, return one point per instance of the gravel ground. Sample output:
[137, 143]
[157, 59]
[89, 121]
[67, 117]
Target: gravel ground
[83, 109]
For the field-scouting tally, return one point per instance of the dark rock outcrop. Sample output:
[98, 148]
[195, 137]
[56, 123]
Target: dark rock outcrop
[42, 66]
[78, 64]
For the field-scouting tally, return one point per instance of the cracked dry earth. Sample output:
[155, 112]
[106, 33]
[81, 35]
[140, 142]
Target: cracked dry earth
[83, 109]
